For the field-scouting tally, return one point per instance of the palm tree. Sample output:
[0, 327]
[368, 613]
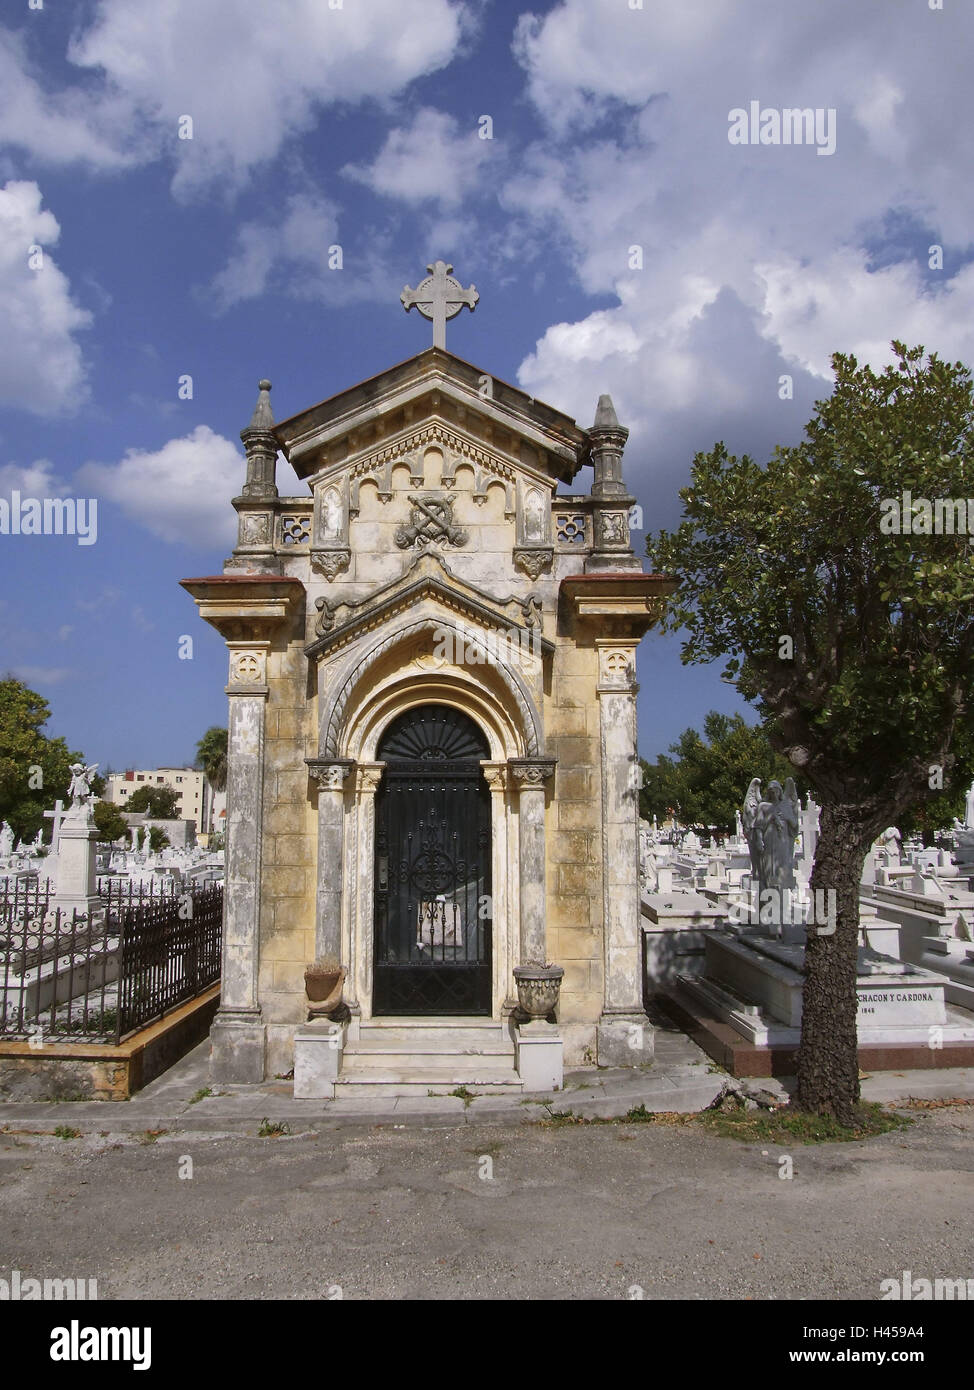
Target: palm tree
[211, 756]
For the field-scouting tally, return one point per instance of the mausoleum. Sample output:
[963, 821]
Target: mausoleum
[432, 770]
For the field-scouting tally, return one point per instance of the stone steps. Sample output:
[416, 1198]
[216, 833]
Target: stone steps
[409, 1059]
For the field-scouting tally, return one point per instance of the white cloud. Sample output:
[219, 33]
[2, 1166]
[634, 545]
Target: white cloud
[68, 127]
[181, 492]
[755, 260]
[36, 479]
[433, 159]
[41, 366]
[250, 76]
[291, 256]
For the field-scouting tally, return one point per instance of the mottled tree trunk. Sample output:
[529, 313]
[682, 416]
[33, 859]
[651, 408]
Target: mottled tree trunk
[828, 1058]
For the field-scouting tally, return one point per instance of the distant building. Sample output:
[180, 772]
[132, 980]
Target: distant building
[197, 801]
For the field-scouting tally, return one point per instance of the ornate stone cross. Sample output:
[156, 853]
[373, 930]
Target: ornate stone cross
[439, 297]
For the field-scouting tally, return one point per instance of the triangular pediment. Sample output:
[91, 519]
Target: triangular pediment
[341, 622]
[385, 417]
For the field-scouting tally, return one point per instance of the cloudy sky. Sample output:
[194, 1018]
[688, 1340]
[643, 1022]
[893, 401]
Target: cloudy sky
[619, 240]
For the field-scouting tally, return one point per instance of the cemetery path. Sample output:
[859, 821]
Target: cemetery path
[489, 1211]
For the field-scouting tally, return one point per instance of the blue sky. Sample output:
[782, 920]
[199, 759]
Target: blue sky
[358, 124]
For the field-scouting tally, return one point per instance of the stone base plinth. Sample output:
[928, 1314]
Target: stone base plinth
[624, 1040]
[540, 1062]
[755, 985]
[238, 1042]
[318, 1051]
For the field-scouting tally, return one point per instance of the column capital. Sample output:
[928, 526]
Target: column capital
[617, 663]
[531, 772]
[367, 777]
[497, 776]
[248, 667]
[330, 773]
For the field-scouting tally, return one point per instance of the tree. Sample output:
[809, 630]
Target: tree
[111, 823]
[34, 768]
[849, 619]
[707, 782]
[158, 839]
[211, 756]
[162, 803]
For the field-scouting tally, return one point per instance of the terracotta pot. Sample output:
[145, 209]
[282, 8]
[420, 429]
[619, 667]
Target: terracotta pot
[538, 987]
[324, 987]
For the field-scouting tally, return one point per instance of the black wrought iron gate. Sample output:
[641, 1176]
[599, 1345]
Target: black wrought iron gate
[432, 867]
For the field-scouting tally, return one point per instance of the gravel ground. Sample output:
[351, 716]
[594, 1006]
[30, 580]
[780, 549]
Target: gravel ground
[576, 1212]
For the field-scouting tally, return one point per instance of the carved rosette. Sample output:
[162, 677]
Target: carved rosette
[331, 562]
[329, 773]
[533, 561]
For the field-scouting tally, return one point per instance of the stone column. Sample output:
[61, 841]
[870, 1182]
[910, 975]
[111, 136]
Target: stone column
[498, 780]
[529, 775]
[330, 774]
[367, 779]
[238, 1033]
[625, 1036]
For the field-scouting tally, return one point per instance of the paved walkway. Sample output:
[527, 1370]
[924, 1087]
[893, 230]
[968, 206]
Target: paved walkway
[683, 1079]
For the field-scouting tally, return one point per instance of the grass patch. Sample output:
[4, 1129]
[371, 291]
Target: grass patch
[66, 1132]
[270, 1129]
[201, 1094]
[752, 1126]
[794, 1126]
[149, 1136]
[463, 1094]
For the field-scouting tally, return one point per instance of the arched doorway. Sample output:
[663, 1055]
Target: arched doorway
[432, 947]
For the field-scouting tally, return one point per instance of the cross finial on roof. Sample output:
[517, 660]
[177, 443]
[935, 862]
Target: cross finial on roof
[439, 297]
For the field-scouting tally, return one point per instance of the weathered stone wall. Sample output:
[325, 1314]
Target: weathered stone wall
[574, 844]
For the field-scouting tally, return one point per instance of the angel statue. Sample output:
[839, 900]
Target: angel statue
[772, 825]
[752, 800]
[79, 789]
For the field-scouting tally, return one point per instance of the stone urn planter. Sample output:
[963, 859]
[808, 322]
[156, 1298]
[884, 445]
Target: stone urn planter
[323, 982]
[538, 986]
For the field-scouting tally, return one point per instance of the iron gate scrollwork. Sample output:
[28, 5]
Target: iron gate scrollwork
[432, 867]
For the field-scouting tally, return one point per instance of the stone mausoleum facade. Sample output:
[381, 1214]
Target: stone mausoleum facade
[432, 720]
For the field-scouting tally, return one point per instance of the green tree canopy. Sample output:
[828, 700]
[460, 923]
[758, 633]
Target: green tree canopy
[162, 803]
[34, 769]
[111, 823]
[855, 637]
[705, 782]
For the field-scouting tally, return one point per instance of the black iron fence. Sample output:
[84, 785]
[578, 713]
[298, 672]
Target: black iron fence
[100, 977]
